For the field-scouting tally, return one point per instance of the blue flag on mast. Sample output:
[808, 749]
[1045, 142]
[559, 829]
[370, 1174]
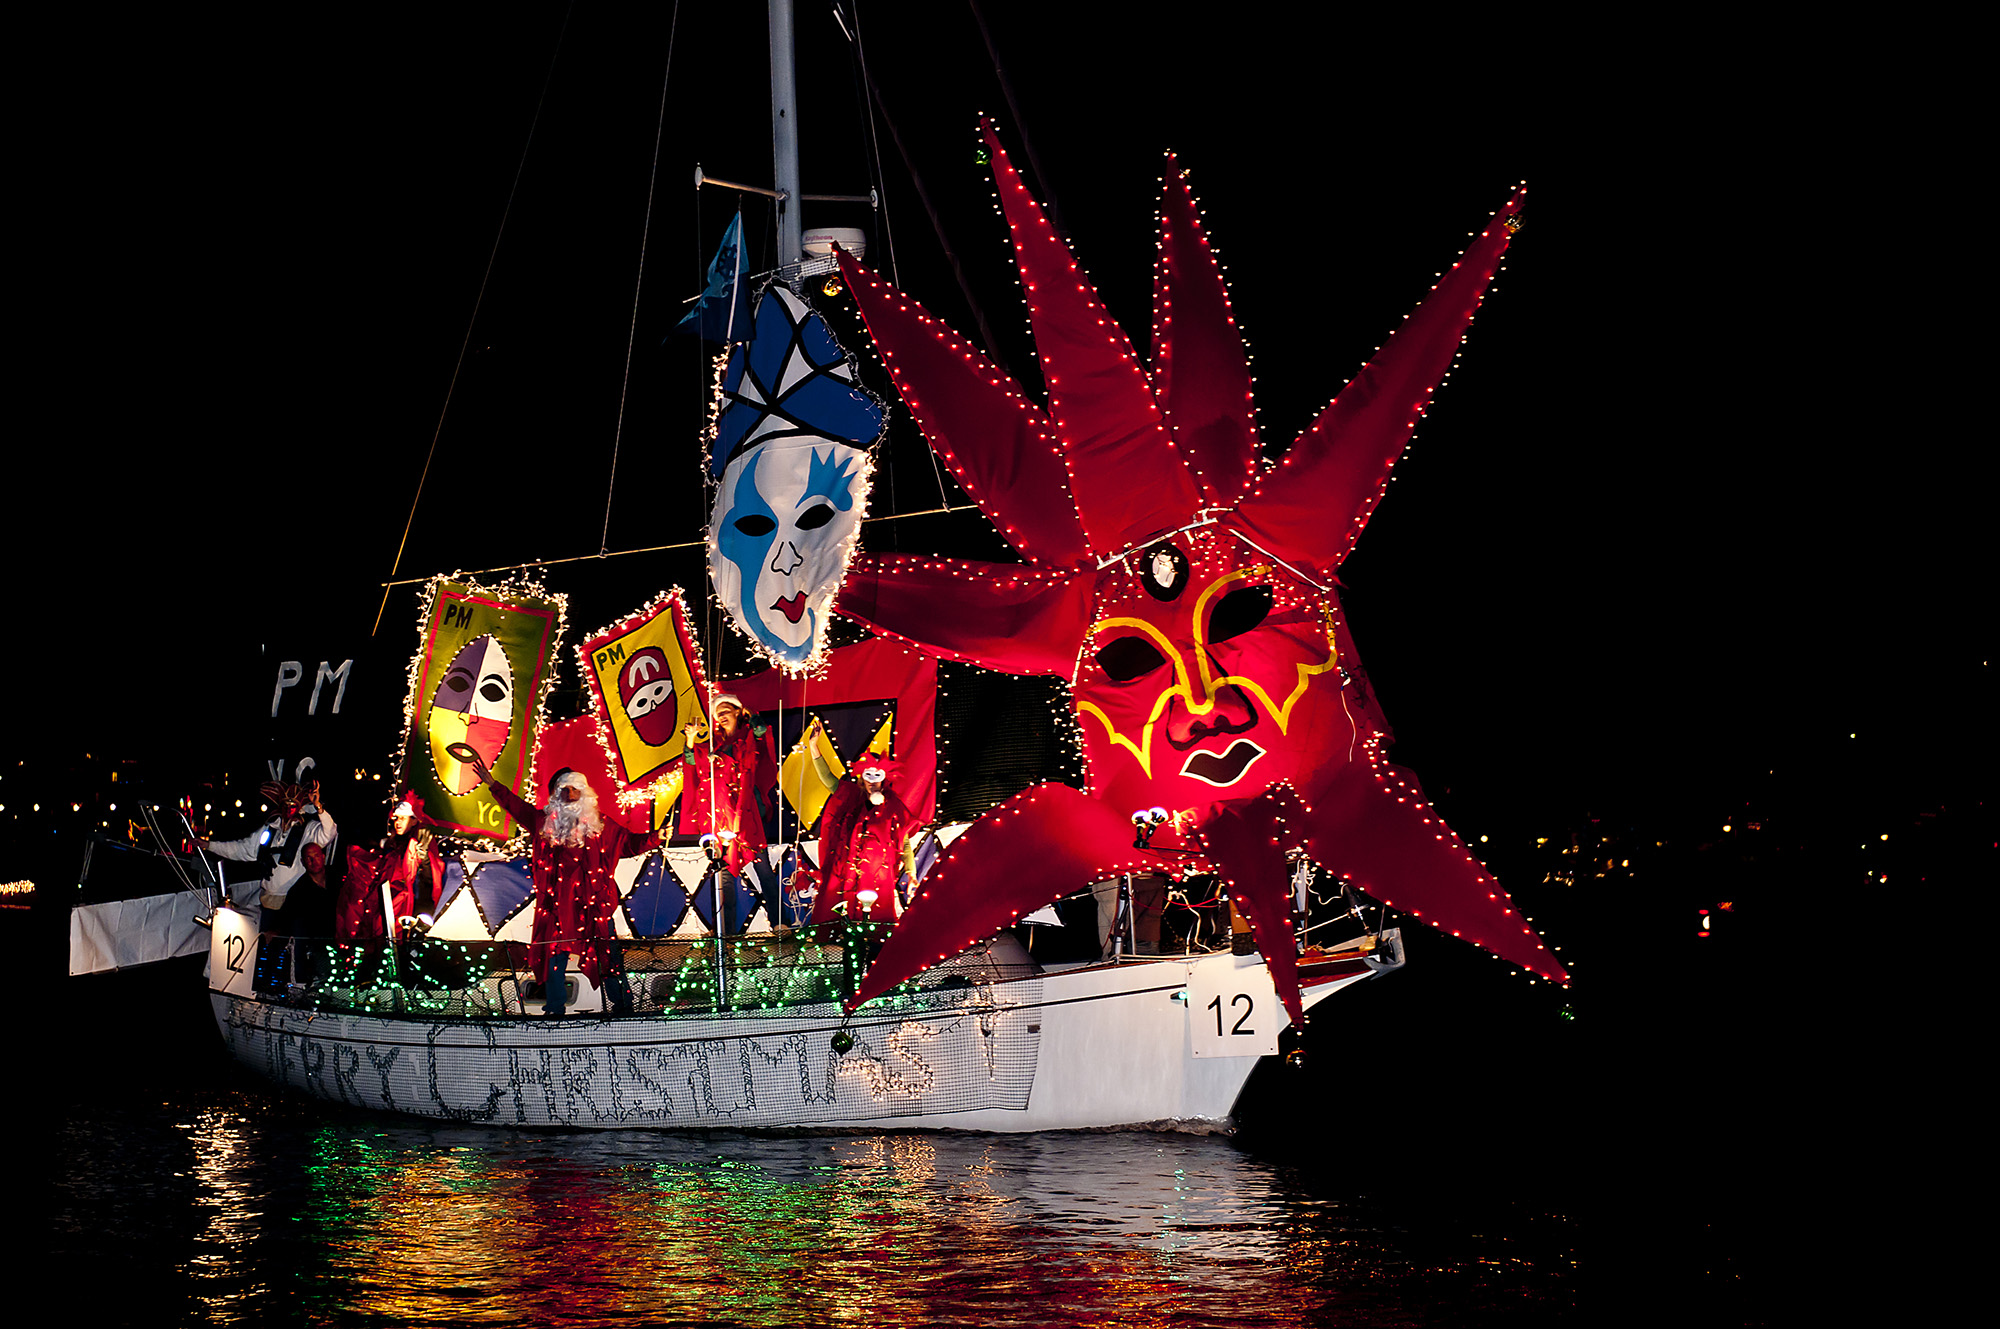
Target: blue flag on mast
[722, 313]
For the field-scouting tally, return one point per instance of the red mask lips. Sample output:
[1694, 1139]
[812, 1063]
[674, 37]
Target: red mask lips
[791, 606]
[1226, 769]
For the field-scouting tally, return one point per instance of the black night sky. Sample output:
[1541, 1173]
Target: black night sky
[1660, 532]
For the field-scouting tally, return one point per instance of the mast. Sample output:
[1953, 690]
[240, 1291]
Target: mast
[785, 139]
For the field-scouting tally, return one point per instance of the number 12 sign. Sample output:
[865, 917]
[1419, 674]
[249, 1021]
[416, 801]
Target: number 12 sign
[1233, 1012]
[232, 953]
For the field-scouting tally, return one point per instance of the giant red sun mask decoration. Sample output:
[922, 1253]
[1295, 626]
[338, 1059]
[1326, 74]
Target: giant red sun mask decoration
[1205, 681]
[1184, 590]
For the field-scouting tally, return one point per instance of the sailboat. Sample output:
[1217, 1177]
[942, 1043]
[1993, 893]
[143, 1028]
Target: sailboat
[1184, 591]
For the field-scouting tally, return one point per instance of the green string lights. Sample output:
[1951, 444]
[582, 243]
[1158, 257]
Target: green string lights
[437, 979]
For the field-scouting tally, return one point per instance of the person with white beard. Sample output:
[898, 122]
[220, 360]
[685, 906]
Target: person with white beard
[576, 853]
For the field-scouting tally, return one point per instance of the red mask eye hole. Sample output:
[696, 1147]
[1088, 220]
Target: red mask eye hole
[1239, 612]
[1129, 658]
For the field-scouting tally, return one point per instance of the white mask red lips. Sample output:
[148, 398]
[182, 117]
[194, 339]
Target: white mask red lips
[790, 450]
[646, 686]
[473, 708]
[804, 563]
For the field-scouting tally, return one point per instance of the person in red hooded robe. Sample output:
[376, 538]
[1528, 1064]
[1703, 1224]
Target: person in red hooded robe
[863, 845]
[728, 780]
[576, 854]
[406, 860]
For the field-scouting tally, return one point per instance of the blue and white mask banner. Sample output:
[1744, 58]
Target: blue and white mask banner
[791, 457]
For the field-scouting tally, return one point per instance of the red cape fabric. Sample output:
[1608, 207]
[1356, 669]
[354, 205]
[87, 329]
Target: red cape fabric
[1243, 842]
[727, 786]
[861, 848]
[576, 893]
[868, 671]
[1136, 455]
[1128, 480]
[998, 444]
[357, 913]
[1310, 508]
[1201, 376]
[1004, 616]
[1371, 823]
[1042, 843]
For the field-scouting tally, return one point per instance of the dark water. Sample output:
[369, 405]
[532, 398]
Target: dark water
[1400, 1180]
[232, 1207]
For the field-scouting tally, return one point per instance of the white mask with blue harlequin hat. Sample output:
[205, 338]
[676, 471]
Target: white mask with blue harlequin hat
[790, 454]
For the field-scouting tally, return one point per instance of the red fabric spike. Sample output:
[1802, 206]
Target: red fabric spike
[1201, 377]
[1358, 697]
[1042, 843]
[1375, 827]
[1127, 480]
[1003, 616]
[1242, 842]
[998, 444]
[1310, 508]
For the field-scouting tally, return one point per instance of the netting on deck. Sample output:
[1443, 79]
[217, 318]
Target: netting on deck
[475, 980]
[756, 1038]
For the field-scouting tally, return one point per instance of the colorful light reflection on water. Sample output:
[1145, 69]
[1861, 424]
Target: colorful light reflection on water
[327, 1217]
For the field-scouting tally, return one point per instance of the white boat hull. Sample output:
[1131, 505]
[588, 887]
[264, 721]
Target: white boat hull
[1095, 1047]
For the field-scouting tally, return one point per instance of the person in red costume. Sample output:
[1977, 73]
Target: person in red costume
[729, 778]
[862, 845]
[406, 860]
[575, 856]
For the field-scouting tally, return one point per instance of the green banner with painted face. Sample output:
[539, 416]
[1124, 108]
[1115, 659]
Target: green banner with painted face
[483, 668]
